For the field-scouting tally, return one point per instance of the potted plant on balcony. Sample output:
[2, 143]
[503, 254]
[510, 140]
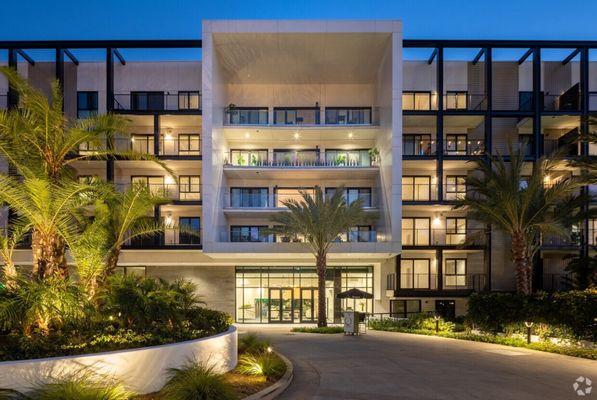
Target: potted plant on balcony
[374, 155]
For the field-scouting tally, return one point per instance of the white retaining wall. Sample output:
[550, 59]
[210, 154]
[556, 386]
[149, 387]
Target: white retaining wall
[142, 370]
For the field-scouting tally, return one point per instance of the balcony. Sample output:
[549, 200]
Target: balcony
[169, 238]
[152, 101]
[570, 100]
[296, 116]
[181, 145]
[300, 159]
[305, 116]
[418, 192]
[443, 237]
[185, 192]
[551, 241]
[464, 101]
[242, 235]
[413, 147]
[422, 282]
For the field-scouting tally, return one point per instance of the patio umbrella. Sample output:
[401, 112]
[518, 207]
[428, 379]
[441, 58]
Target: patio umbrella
[354, 294]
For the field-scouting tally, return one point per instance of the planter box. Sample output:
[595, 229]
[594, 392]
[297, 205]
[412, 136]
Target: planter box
[142, 370]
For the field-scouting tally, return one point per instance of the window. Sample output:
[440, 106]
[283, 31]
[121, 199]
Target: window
[248, 157]
[154, 183]
[142, 144]
[248, 197]
[249, 234]
[87, 148]
[416, 188]
[456, 145]
[189, 187]
[248, 116]
[147, 101]
[415, 231]
[353, 194]
[296, 116]
[456, 100]
[455, 231]
[415, 273]
[455, 187]
[592, 231]
[525, 143]
[362, 233]
[417, 145]
[296, 157]
[455, 273]
[404, 308]
[418, 101]
[284, 194]
[189, 144]
[189, 100]
[190, 229]
[86, 104]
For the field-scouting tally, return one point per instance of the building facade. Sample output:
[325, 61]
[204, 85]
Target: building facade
[271, 108]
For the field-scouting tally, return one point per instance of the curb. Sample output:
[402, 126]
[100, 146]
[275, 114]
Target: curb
[273, 391]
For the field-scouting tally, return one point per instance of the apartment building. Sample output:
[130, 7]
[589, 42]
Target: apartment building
[267, 109]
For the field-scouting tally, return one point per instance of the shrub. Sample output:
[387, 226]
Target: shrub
[196, 382]
[414, 322]
[253, 344]
[317, 329]
[74, 388]
[209, 320]
[569, 313]
[265, 364]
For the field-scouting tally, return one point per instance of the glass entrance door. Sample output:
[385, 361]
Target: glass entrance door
[309, 301]
[280, 305]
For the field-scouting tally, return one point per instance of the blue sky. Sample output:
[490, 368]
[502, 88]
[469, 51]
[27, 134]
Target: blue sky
[166, 19]
[181, 19]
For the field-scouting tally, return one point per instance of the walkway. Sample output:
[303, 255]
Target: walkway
[384, 365]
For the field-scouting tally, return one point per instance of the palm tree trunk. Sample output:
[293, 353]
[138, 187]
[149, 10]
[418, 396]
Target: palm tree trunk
[112, 261]
[522, 264]
[321, 306]
[10, 274]
[49, 255]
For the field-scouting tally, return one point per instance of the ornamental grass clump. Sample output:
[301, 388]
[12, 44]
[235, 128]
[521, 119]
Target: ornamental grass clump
[196, 382]
[266, 364]
[252, 344]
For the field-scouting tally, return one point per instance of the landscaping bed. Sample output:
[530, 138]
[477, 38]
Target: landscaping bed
[317, 329]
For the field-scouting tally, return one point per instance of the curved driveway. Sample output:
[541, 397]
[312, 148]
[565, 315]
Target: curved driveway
[385, 365]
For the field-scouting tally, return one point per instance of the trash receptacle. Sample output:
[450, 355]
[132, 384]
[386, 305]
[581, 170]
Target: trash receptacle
[351, 322]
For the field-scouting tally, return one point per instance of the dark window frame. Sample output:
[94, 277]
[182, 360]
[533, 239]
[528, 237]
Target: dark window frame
[149, 140]
[328, 191]
[455, 274]
[149, 96]
[456, 93]
[417, 144]
[188, 93]
[455, 185]
[414, 229]
[250, 227]
[412, 283]
[90, 94]
[189, 185]
[414, 187]
[240, 196]
[188, 139]
[188, 238]
[406, 313]
[414, 93]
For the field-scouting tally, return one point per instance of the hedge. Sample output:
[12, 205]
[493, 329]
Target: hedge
[574, 311]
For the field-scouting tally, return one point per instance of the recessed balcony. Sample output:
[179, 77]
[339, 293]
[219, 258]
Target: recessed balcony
[303, 116]
[155, 101]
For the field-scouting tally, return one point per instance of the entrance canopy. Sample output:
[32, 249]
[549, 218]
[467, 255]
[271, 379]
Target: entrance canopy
[354, 293]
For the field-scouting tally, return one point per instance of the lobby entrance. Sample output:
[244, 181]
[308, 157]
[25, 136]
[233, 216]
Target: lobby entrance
[289, 294]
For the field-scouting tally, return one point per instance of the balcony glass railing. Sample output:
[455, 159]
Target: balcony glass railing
[413, 146]
[443, 237]
[429, 281]
[183, 192]
[348, 116]
[246, 116]
[296, 116]
[464, 147]
[462, 101]
[265, 200]
[277, 159]
[158, 101]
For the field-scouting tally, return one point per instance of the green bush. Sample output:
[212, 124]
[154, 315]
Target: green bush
[196, 382]
[209, 320]
[414, 322]
[265, 364]
[317, 329]
[253, 344]
[571, 314]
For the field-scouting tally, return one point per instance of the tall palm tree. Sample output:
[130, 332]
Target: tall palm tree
[9, 240]
[54, 210]
[522, 206]
[320, 220]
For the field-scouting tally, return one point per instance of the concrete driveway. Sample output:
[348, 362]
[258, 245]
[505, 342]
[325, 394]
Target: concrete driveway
[385, 365]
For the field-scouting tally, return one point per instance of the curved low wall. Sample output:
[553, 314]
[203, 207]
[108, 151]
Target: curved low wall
[142, 370]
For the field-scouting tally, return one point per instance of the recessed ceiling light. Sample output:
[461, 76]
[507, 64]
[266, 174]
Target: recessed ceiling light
[296, 135]
[350, 135]
[247, 135]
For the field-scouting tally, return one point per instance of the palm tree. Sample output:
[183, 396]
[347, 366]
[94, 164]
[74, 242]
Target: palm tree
[126, 217]
[55, 212]
[9, 240]
[319, 219]
[522, 206]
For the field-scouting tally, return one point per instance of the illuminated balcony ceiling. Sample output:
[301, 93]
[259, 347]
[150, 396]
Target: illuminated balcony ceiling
[301, 57]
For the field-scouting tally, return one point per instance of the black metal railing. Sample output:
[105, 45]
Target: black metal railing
[429, 281]
[443, 237]
[296, 116]
[158, 101]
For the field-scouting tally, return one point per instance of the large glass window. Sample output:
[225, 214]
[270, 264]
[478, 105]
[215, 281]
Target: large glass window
[415, 231]
[249, 234]
[353, 194]
[455, 187]
[189, 100]
[147, 101]
[455, 273]
[189, 144]
[419, 101]
[248, 157]
[86, 104]
[404, 308]
[348, 116]
[456, 145]
[285, 194]
[190, 228]
[142, 144]
[417, 145]
[348, 158]
[289, 294]
[248, 197]
[455, 231]
[415, 273]
[189, 187]
[416, 188]
[456, 100]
